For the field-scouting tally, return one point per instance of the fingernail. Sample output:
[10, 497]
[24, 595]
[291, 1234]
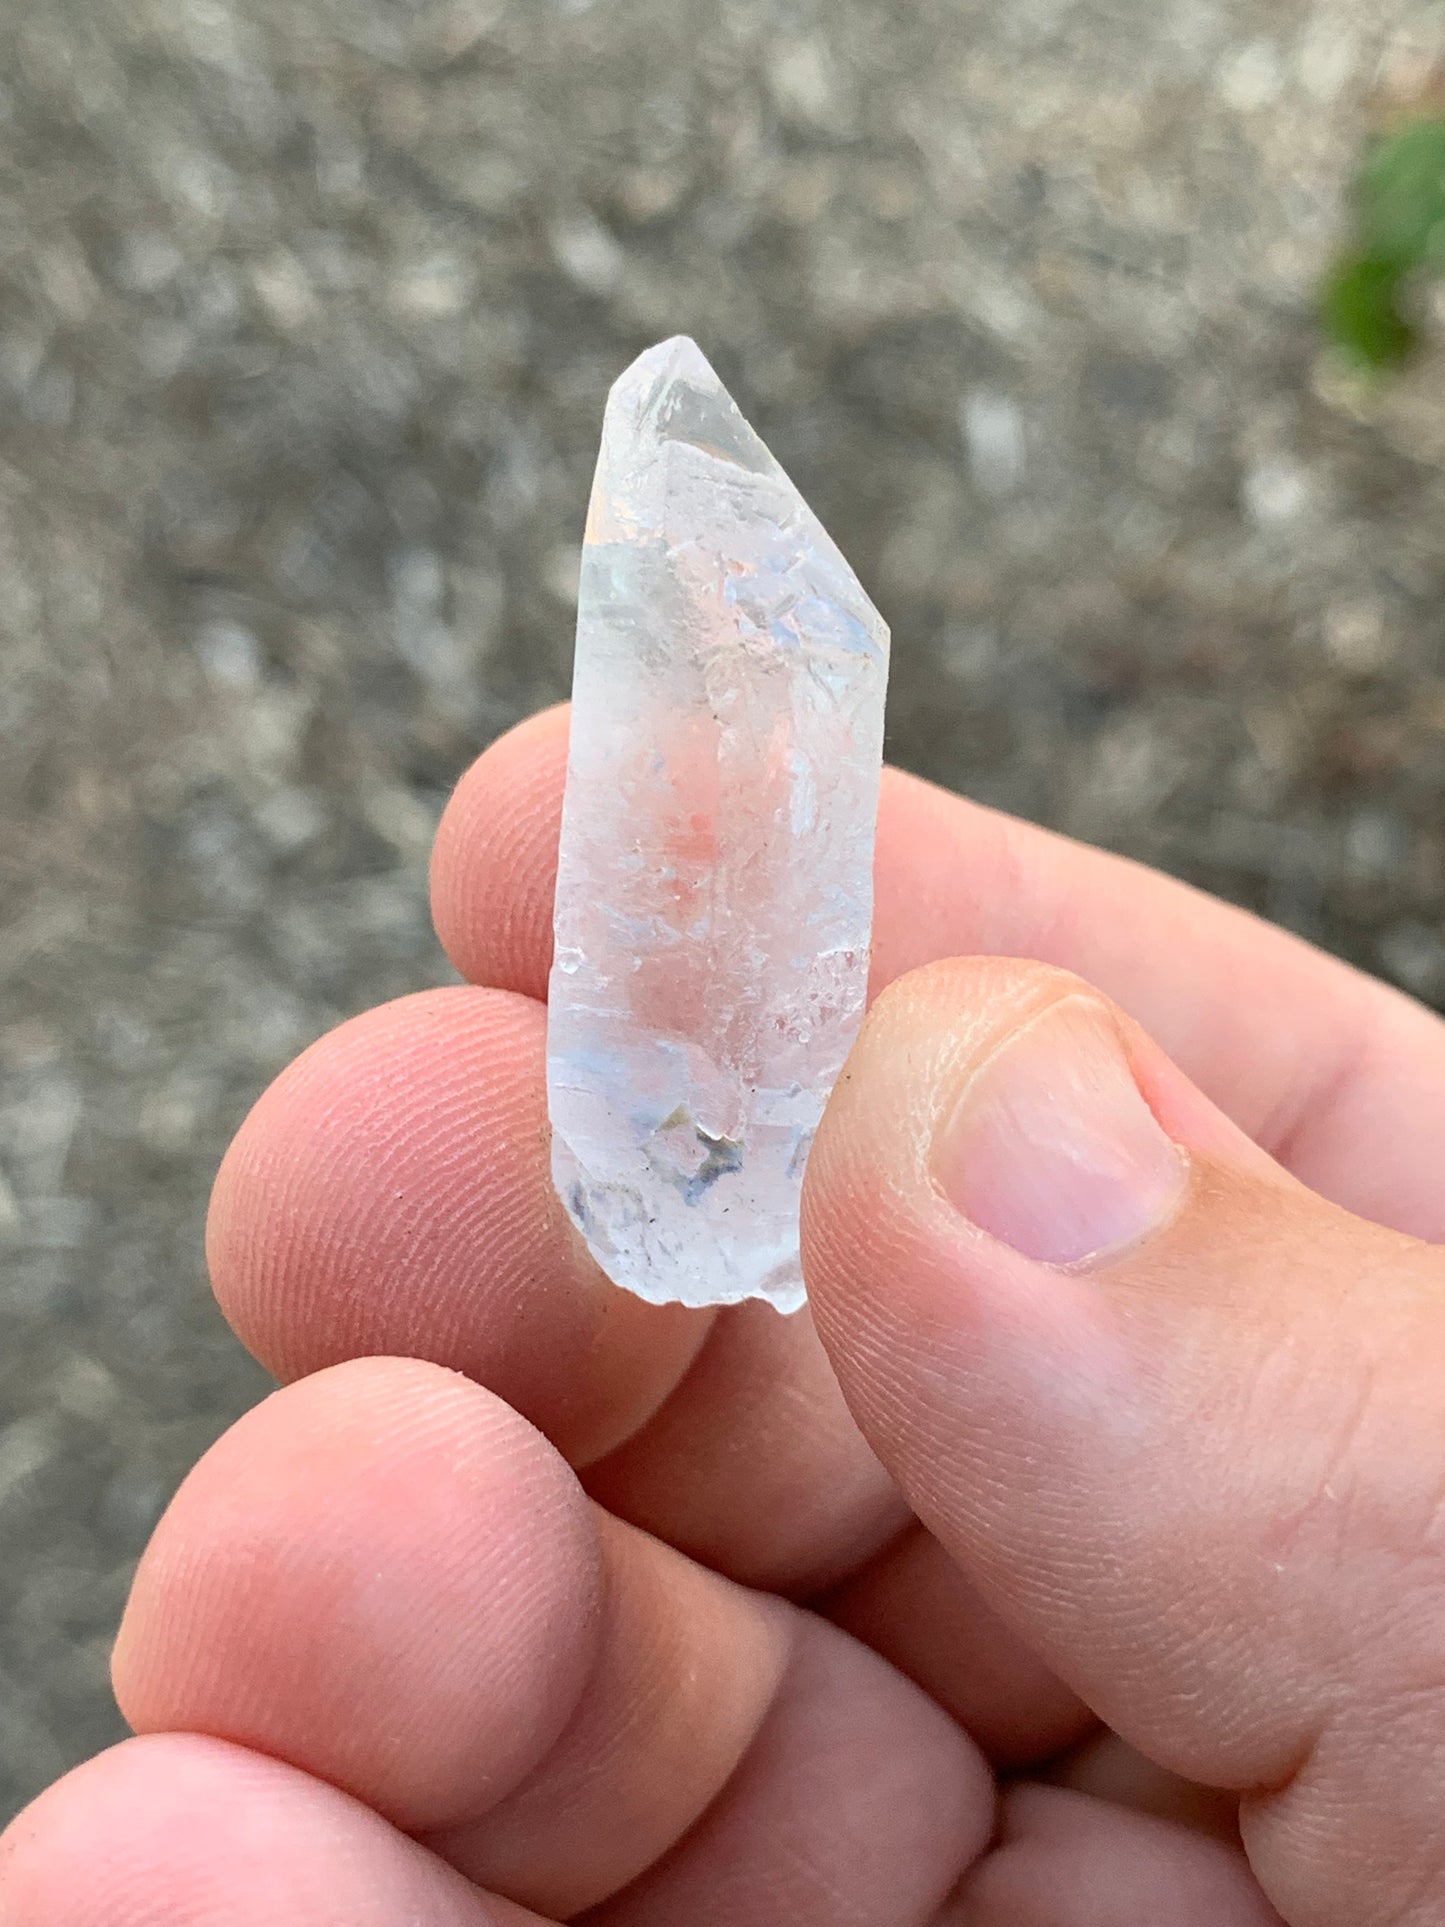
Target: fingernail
[1053, 1150]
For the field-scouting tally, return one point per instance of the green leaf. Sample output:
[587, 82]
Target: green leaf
[1401, 196]
[1362, 311]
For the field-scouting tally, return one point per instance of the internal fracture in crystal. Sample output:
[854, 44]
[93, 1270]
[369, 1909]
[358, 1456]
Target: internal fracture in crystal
[715, 881]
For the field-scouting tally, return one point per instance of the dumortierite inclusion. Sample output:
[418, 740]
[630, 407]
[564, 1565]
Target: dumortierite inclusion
[715, 884]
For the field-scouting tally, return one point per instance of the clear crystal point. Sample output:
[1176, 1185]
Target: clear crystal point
[715, 881]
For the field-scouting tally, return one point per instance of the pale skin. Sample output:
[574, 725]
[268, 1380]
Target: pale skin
[1077, 1561]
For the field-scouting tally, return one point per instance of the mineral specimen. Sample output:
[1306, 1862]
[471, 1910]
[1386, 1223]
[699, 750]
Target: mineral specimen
[714, 890]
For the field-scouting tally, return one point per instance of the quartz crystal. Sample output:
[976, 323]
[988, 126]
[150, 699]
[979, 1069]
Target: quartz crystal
[715, 883]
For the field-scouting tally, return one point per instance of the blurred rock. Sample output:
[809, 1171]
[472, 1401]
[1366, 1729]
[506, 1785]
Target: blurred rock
[307, 312]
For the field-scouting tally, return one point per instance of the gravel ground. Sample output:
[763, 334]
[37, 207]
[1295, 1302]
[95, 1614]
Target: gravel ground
[307, 311]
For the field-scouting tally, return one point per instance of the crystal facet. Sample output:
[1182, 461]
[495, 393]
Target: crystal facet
[715, 883]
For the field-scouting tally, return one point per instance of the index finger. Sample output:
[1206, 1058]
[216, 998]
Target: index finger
[1337, 1075]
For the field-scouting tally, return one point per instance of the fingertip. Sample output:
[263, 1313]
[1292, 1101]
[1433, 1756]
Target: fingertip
[391, 1194]
[494, 864]
[385, 1522]
[176, 1830]
[364, 1179]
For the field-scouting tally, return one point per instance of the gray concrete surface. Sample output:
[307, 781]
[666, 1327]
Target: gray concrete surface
[307, 310]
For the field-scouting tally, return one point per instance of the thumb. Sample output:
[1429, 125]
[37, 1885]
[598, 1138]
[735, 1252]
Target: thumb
[1179, 1418]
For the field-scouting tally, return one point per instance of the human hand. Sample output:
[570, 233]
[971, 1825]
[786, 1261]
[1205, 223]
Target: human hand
[388, 1662]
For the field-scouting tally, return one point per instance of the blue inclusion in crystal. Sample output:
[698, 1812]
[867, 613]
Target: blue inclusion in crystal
[587, 1069]
[640, 930]
[577, 1204]
[724, 1155]
[821, 615]
[762, 602]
